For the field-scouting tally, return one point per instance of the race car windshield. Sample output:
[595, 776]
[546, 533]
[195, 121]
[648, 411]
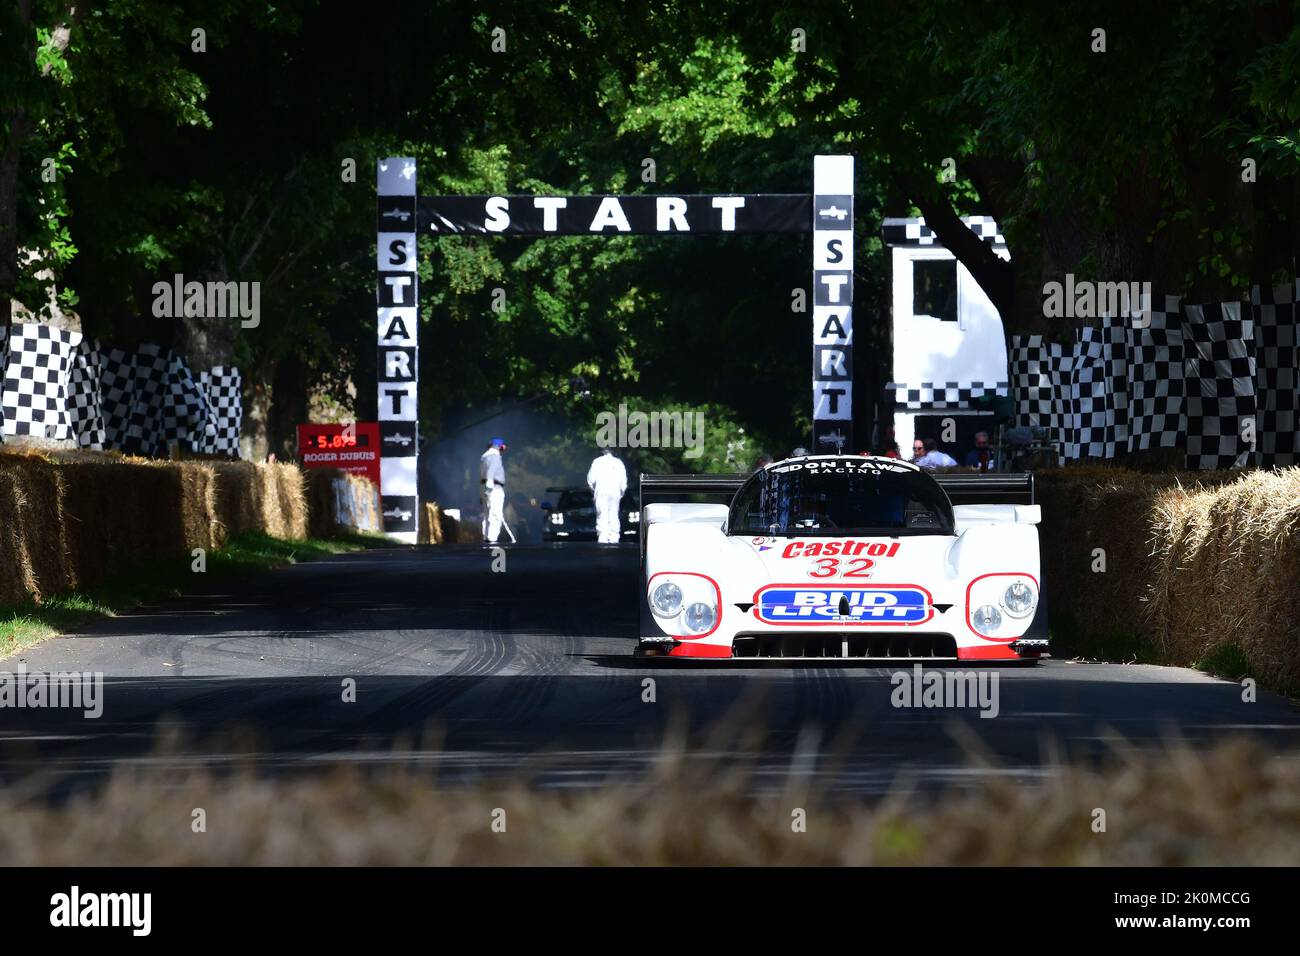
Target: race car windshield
[853, 500]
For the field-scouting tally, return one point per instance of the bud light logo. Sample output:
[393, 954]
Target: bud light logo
[879, 605]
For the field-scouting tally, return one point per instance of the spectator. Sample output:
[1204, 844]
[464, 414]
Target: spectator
[492, 481]
[933, 457]
[981, 456]
[918, 450]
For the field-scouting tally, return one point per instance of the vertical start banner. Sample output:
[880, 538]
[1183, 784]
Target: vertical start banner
[832, 304]
[398, 306]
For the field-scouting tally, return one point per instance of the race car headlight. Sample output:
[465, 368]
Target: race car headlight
[986, 619]
[557, 517]
[1019, 599]
[699, 617]
[666, 599]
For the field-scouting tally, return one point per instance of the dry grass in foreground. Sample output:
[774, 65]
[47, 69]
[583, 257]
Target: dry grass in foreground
[1235, 805]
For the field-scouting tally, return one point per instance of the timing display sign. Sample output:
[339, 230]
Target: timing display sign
[353, 448]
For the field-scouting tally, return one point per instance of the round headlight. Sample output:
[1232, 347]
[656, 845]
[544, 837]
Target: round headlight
[699, 618]
[986, 619]
[1019, 599]
[666, 599]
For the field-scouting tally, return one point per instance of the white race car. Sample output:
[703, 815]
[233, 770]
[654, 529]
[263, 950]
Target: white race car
[843, 557]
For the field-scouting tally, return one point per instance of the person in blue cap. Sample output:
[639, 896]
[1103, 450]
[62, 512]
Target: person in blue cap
[492, 481]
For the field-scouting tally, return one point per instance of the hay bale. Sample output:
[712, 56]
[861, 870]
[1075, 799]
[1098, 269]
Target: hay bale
[1194, 561]
[1226, 569]
[76, 521]
[270, 498]
[28, 503]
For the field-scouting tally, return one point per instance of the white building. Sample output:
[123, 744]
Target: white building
[949, 349]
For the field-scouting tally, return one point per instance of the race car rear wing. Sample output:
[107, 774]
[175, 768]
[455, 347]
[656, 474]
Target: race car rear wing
[962, 488]
[991, 488]
[712, 486]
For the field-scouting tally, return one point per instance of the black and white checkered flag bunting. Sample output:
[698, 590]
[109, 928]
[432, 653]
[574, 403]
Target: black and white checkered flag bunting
[221, 388]
[60, 386]
[1040, 376]
[116, 386]
[85, 400]
[1157, 417]
[946, 396]
[1086, 427]
[1219, 366]
[4, 345]
[1277, 359]
[34, 385]
[144, 421]
[185, 411]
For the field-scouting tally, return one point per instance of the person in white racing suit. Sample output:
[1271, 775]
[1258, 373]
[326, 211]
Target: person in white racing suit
[492, 483]
[607, 479]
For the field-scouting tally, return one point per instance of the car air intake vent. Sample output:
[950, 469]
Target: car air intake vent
[845, 645]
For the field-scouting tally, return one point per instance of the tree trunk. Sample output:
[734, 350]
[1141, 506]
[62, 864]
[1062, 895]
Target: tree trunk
[19, 50]
[255, 434]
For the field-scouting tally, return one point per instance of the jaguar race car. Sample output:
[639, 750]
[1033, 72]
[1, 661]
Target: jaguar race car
[842, 557]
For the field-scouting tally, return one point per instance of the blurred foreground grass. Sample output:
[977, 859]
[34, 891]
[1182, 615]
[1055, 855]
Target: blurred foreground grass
[1237, 804]
[26, 624]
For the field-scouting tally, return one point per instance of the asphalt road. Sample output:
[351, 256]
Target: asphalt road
[475, 674]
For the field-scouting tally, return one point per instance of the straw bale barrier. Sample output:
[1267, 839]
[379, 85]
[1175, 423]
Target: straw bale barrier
[1195, 565]
[76, 521]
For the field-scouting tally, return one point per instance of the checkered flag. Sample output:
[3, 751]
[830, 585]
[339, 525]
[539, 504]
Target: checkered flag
[184, 412]
[1277, 358]
[1157, 417]
[85, 401]
[948, 396]
[1086, 432]
[4, 344]
[1115, 359]
[148, 387]
[221, 388]
[1040, 377]
[1219, 362]
[34, 389]
[116, 387]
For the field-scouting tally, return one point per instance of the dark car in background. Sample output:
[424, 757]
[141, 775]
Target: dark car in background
[571, 516]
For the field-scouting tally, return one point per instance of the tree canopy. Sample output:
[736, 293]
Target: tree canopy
[214, 139]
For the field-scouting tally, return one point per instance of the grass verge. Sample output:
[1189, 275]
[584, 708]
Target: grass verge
[26, 624]
[1122, 647]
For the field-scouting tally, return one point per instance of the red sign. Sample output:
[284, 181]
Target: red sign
[353, 448]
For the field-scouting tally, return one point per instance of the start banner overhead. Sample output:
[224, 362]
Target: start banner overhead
[604, 215]
[403, 215]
